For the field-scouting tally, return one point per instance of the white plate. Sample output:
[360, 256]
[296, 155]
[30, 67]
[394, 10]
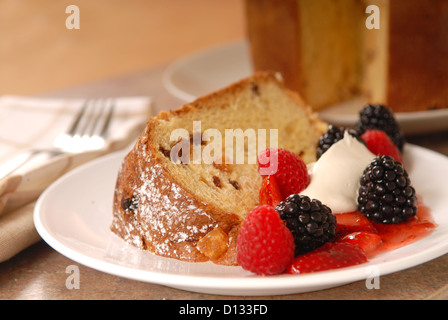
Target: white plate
[203, 72]
[206, 71]
[74, 214]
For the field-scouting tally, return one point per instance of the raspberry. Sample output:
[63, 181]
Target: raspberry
[289, 169]
[379, 143]
[265, 246]
[311, 223]
[376, 116]
[331, 136]
[385, 193]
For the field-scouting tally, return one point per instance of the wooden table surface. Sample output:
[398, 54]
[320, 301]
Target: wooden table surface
[39, 272]
[42, 57]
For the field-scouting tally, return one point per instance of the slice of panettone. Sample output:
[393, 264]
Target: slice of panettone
[192, 177]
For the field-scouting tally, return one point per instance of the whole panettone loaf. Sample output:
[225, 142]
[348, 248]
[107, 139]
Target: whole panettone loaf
[393, 52]
[192, 176]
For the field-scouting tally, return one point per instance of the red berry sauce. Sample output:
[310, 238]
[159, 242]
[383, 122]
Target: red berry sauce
[398, 235]
[394, 236]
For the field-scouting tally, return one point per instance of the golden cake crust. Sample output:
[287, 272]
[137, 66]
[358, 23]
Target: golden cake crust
[163, 227]
[418, 56]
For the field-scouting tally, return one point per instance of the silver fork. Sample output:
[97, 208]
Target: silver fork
[88, 131]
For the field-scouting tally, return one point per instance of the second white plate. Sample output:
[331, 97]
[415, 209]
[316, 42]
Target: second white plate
[206, 71]
[74, 215]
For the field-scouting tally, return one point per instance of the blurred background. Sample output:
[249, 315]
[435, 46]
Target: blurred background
[38, 53]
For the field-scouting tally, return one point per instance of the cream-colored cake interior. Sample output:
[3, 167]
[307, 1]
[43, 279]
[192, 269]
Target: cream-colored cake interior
[233, 185]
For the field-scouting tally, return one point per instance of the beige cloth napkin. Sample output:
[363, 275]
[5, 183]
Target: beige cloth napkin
[27, 122]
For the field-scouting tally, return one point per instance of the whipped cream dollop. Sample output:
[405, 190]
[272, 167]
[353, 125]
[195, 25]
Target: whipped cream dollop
[334, 178]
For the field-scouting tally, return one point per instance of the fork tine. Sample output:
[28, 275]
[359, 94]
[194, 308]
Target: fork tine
[106, 124]
[94, 119]
[89, 120]
[76, 122]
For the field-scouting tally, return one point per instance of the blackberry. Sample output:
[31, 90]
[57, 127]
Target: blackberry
[311, 223]
[385, 193]
[380, 117]
[331, 136]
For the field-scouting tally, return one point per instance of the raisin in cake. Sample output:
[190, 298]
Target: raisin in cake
[191, 210]
[325, 50]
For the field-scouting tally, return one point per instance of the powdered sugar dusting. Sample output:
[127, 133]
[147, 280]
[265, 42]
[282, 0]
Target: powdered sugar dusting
[165, 216]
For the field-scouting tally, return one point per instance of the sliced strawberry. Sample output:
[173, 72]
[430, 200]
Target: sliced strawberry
[400, 234]
[329, 256]
[367, 241]
[288, 168]
[270, 193]
[379, 143]
[352, 222]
